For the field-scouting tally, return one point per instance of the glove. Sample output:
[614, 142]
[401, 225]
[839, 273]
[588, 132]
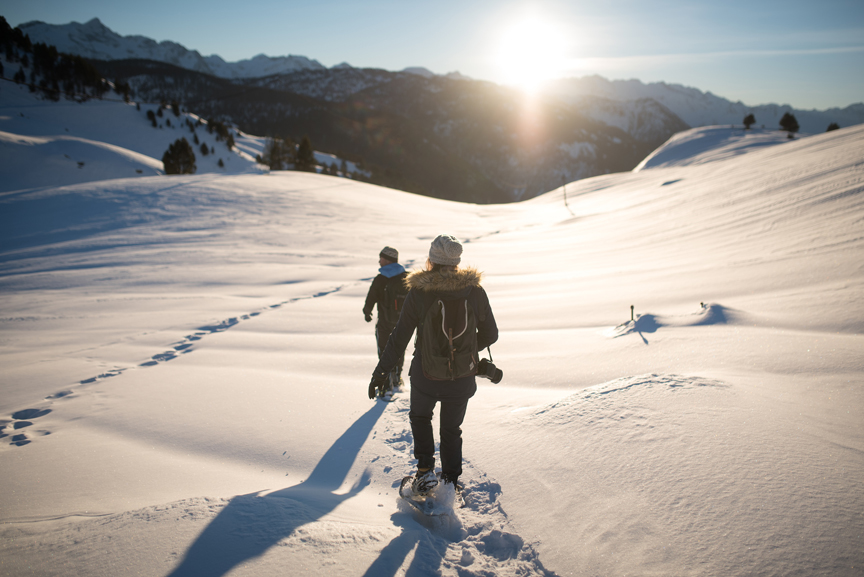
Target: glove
[378, 383]
[368, 317]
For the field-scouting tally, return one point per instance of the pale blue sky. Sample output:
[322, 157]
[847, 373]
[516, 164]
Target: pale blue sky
[805, 53]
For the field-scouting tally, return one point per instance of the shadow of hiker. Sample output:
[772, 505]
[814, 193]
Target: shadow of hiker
[427, 558]
[250, 524]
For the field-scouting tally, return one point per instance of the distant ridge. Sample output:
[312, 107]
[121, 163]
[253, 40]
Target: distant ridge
[696, 108]
[96, 41]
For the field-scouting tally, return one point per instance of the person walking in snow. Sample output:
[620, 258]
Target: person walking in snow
[441, 282]
[387, 292]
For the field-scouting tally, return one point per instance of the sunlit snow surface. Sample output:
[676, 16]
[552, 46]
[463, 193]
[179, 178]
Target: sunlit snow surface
[185, 365]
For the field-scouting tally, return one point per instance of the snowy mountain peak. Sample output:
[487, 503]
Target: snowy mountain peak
[419, 71]
[95, 40]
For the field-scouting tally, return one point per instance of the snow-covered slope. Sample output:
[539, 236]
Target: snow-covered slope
[185, 369]
[710, 144]
[95, 40]
[45, 143]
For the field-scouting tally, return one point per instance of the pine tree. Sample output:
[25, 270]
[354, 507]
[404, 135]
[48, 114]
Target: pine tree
[204, 149]
[305, 155]
[179, 158]
[749, 121]
[833, 126]
[789, 124]
[275, 154]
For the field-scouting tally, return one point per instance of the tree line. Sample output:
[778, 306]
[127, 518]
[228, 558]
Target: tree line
[788, 123]
[52, 72]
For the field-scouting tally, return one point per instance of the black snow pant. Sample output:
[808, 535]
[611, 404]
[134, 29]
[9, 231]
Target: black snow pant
[382, 334]
[452, 415]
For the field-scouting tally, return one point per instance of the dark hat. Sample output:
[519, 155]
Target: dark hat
[390, 253]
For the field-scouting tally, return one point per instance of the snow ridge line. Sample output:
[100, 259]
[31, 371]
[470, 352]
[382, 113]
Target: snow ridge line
[476, 540]
[23, 418]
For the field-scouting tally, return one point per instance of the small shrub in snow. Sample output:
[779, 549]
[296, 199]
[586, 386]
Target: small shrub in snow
[833, 126]
[204, 150]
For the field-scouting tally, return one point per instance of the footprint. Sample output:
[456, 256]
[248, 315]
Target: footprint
[20, 440]
[109, 374]
[224, 325]
[23, 419]
[27, 414]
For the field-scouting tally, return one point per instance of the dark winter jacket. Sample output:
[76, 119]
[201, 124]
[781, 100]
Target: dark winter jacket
[426, 286]
[375, 296]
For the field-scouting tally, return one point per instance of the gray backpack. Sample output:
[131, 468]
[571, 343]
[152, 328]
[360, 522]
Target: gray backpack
[448, 339]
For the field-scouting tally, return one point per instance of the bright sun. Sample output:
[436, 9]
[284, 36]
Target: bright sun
[531, 51]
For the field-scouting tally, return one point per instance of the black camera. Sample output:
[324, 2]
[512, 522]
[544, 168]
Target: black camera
[489, 371]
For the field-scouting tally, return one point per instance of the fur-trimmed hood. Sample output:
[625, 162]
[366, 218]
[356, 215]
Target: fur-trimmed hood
[444, 280]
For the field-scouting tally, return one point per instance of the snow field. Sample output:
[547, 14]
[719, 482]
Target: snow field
[186, 361]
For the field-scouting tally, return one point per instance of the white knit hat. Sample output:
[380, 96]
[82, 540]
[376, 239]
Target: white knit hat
[446, 250]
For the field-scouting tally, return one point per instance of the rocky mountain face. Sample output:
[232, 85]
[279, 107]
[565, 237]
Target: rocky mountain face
[449, 138]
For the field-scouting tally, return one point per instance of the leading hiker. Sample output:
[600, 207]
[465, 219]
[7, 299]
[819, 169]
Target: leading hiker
[442, 285]
[388, 292]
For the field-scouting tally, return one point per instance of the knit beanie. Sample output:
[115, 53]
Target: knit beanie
[390, 253]
[446, 250]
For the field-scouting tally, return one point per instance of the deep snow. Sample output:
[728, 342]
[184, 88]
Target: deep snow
[185, 369]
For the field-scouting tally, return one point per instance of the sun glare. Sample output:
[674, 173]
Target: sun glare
[531, 51]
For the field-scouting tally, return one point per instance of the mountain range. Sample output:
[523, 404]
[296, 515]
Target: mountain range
[443, 136]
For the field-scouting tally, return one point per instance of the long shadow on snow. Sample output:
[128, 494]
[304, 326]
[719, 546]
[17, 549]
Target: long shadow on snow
[250, 524]
[427, 558]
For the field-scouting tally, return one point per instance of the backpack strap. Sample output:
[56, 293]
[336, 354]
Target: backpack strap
[429, 301]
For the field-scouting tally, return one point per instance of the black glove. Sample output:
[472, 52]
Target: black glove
[368, 317]
[378, 383]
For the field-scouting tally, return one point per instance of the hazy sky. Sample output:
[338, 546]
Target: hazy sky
[806, 53]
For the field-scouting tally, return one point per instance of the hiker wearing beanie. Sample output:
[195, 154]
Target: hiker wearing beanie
[442, 286]
[387, 292]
